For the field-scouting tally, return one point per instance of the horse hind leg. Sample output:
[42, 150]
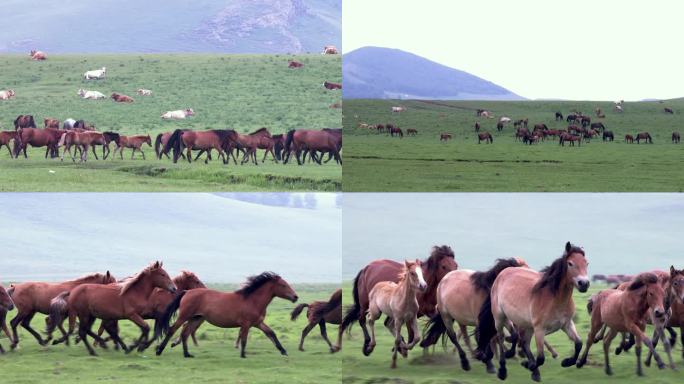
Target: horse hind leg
[449, 325]
[324, 335]
[306, 331]
[188, 329]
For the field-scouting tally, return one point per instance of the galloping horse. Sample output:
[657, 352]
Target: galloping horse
[624, 311]
[301, 140]
[486, 136]
[675, 137]
[32, 297]
[135, 142]
[537, 303]
[6, 305]
[319, 313]
[24, 121]
[5, 138]
[440, 262]
[644, 136]
[244, 308]
[398, 301]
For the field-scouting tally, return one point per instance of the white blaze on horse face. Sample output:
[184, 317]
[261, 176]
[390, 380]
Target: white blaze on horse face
[422, 285]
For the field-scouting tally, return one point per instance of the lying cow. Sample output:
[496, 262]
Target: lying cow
[398, 109]
[178, 114]
[37, 55]
[7, 94]
[92, 95]
[144, 92]
[330, 50]
[295, 64]
[329, 85]
[119, 98]
[95, 74]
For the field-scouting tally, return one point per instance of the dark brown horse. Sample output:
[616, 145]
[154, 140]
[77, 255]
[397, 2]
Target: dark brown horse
[486, 137]
[332, 86]
[675, 137]
[629, 139]
[477, 126]
[217, 139]
[411, 132]
[5, 138]
[644, 136]
[244, 308]
[24, 121]
[444, 137]
[6, 305]
[259, 139]
[35, 137]
[319, 313]
[396, 131]
[294, 64]
[303, 140]
[440, 262]
[570, 138]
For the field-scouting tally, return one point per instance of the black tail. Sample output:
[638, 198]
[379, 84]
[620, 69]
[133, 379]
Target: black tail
[157, 145]
[354, 311]
[434, 329]
[297, 311]
[163, 324]
[485, 330]
[288, 142]
[175, 143]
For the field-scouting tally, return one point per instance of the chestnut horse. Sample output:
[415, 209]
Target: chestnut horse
[537, 303]
[259, 139]
[32, 297]
[84, 141]
[5, 138]
[440, 262]
[111, 302]
[312, 140]
[244, 308]
[629, 139]
[218, 139]
[625, 311]
[135, 142]
[6, 305]
[397, 301]
[486, 136]
[35, 137]
[320, 313]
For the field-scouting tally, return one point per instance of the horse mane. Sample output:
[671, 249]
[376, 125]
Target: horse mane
[255, 282]
[87, 277]
[554, 273]
[264, 129]
[334, 301]
[642, 280]
[128, 284]
[483, 280]
[437, 254]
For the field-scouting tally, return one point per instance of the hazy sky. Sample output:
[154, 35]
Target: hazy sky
[59, 236]
[621, 233]
[584, 49]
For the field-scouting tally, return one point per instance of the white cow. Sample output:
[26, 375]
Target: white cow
[95, 74]
[144, 92]
[504, 119]
[618, 108]
[92, 95]
[398, 109]
[178, 114]
[6, 94]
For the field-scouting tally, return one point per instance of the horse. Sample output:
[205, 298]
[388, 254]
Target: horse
[159, 144]
[294, 64]
[34, 297]
[259, 139]
[143, 92]
[398, 301]
[499, 126]
[24, 121]
[37, 55]
[312, 140]
[330, 50]
[668, 110]
[6, 305]
[675, 137]
[319, 313]
[5, 138]
[35, 137]
[644, 136]
[51, 123]
[398, 109]
[559, 116]
[84, 141]
[396, 131]
[585, 121]
[92, 95]
[111, 302]
[440, 262]
[571, 118]
[531, 138]
[608, 136]
[135, 142]
[218, 139]
[411, 132]
[332, 86]
[460, 295]
[486, 136]
[119, 98]
[244, 308]
[537, 303]
[624, 311]
[445, 137]
[521, 133]
[598, 126]
[572, 139]
[477, 126]
[629, 139]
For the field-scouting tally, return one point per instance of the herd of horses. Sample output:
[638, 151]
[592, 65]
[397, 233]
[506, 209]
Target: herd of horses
[152, 295]
[82, 138]
[510, 305]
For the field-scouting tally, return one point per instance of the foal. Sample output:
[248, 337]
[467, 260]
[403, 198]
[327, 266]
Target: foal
[398, 301]
[6, 305]
[319, 313]
[135, 142]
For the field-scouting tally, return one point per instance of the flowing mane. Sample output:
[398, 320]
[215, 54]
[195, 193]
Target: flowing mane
[129, 283]
[553, 274]
[260, 130]
[642, 280]
[334, 302]
[437, 254]
[255, 282]
[483, 280]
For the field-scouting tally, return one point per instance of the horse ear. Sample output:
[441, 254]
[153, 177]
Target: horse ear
[407, 264]
[108, 274]
[673, 271]
[568, 247]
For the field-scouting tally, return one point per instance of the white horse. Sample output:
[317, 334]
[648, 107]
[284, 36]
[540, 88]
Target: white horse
[618, 108]
[68, 123]
[95, 74]
[92, 95]
[178, 114]
[398, 109]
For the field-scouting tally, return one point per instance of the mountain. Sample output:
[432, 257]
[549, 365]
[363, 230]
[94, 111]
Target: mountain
[384, 73]
[152, 26]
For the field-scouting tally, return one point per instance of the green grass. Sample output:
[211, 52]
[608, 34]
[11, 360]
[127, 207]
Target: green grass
[377, 162]
[439, 366]
[216, 361]
[241, 92]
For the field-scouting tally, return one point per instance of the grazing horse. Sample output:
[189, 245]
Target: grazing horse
[559, 116]
[244, 308]
[294, 64]
[521, 133]
[440, 262]
[320, 313]
[398, 301]
[597, 126]
[608, 136]
[572, 139]
[312, 140]
[84, 141]
[33, 297]
[199, 140]
[486, 136]
[5, 138]
[499, 126]
[675, 137]
[37, 55]
[119, 98]
[411, 132]
[629, 139]
[445, 137]
[625, 311]
[6, 305]
[332, 86]
[24, 121]
[35, 137]
[585, 120]
[537, 304]
[668, 110]
[396, 131]
[135, 142]
[460, 295]
[644, 136]
[51, 123]
[477, 126]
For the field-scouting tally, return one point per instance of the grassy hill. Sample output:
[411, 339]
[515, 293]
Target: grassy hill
[377, 162]
[241, 92]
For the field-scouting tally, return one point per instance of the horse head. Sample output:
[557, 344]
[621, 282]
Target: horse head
[677, 283]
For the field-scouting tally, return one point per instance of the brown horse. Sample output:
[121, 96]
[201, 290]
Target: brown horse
[259, 139]
[303, 140]
[35, 137]
[5, 138]
[398, 301]
[84, 141]
[411, 132]
[51, 123]
[294, 64]
[111, 302]
[675, 137]
[440, 262]
[570, 138]
[24, 121]
[445, 137]
[160, 145]
[629, 139]
[218, 139]
[6, 305]
[396, 131]
[625, 311]
[33, 297]
[332, 86]
[477, 126]
[319, 313]
[668, 110]
[135, 142]
[644, 136]
[244, 308]
[536, 303]
[486, 136]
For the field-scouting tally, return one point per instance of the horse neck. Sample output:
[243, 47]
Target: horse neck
[407, 290]
[430, 295]
[262, 297]
[143, 287]
[564, 294]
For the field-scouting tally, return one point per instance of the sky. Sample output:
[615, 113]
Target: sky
[579, 50]
[222, 238]
[620, 232]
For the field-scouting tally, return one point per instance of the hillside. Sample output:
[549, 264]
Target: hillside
[379, 73]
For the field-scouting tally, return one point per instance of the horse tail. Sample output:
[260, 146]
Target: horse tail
[175, 144]
[157, 144]
[354, 311]
[16, 122]
[485, 330]
[297, 311]
[58, 310]
[289, 138]
[163, 324]
[433, 330]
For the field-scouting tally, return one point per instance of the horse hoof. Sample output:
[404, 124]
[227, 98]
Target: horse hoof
[43, 343]
[609, 371]
[647, 363]
[301, 349]
[568, 362]
[510, 353]
[580, 363]
[465, 364]
[283, 352]
[661, 366]
[158, 351]
[502, 374]
[189, 356]
[491, 369]
[618, 350]
[536, 376]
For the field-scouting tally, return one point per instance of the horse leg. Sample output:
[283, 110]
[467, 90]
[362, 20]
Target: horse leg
[324, 334]
[26, 323]
[133, 152]
[144, 329]
[179, 322]
[466, 338]
[188, 329]
[525, 339]
[552, 351]
[503, 372]
[142, 153]
[673, 335]
[95, 152]
[244, 331]
[83, 328]
[121, 152]
[113, 331]
[640, 337]
[599, 336]
[654, 340]
[514, 339]
[189, 155]
[571, 331]
[397, 343]
[199, 154]
[305, 332]
[271, 335]
[449, 325]
[681, 331]
[369, 343]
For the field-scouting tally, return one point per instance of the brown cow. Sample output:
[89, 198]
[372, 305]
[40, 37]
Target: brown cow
[51, 123]
[332, 86]
[294, 64]
[38, 55]
[119, 98]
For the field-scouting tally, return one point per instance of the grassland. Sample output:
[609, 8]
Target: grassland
[377, 162]
[216, 361]
[440, 366]
[241, 92]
